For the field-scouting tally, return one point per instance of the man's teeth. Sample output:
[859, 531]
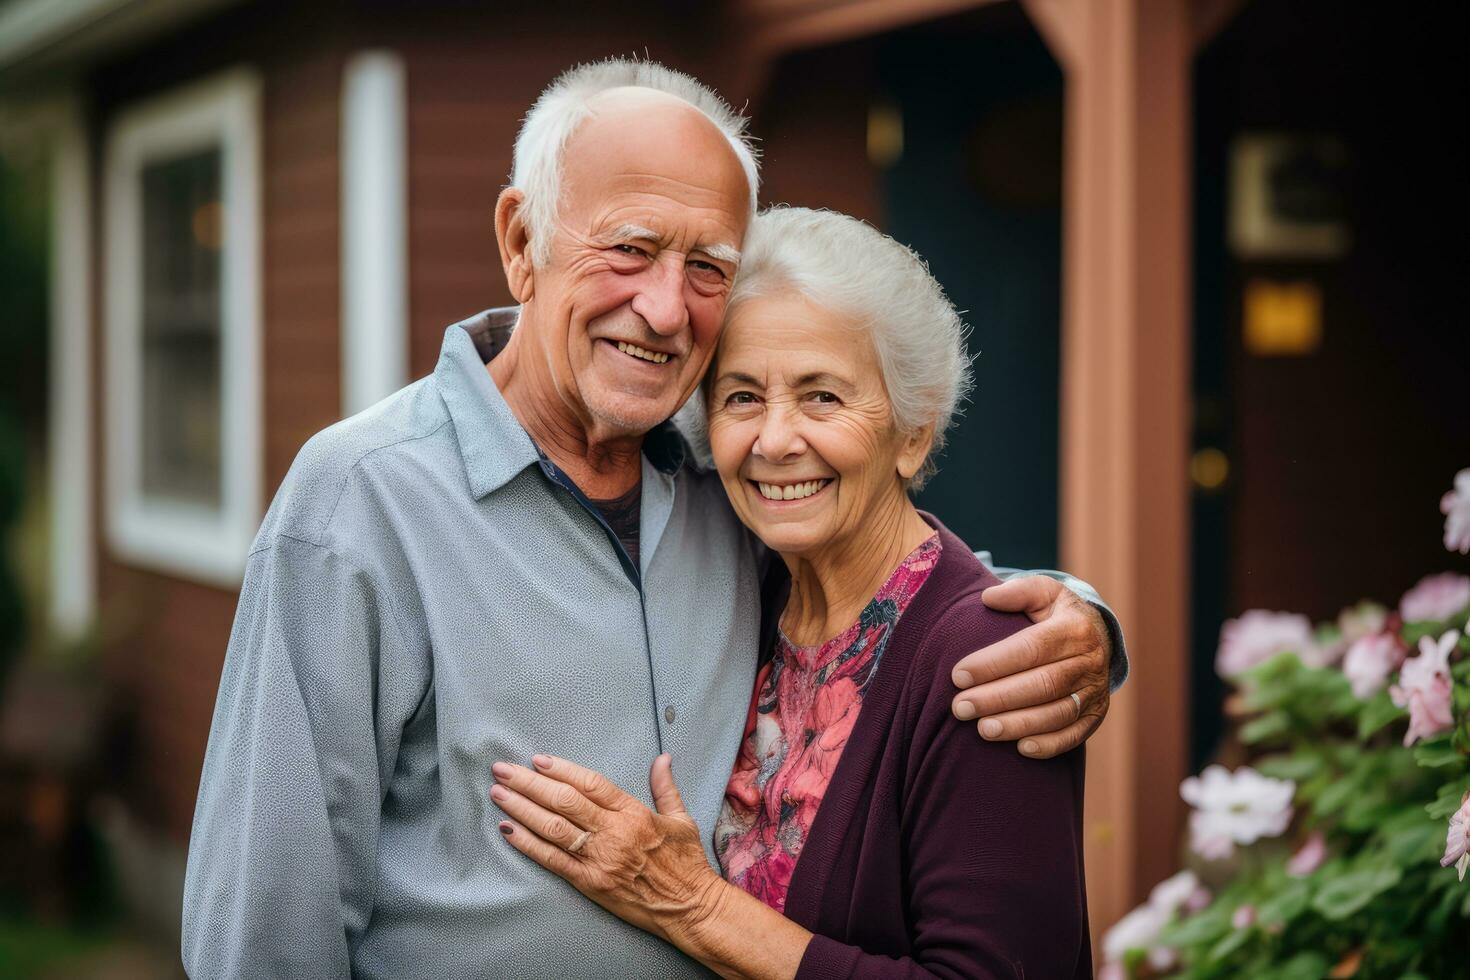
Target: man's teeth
[647, 355]
[790, 491]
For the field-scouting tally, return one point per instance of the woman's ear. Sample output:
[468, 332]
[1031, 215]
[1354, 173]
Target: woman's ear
[914, 451]
[515, 244]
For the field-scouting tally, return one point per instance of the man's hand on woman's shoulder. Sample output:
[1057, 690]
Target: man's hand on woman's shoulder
[1047, 685]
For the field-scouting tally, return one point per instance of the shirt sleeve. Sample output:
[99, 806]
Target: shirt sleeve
[1118, 663]
[281, 863]
[993, 878]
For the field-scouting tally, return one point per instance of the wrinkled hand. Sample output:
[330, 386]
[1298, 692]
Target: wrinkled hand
[1020, 687]
[647, 868]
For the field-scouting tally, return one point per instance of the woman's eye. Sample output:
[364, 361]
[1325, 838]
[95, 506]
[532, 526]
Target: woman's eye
[824, 397]
[740, 398]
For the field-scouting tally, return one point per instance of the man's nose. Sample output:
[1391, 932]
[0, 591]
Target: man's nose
[660, 301]
[779, 438]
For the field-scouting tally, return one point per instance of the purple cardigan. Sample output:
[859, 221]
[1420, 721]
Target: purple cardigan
[936, 853]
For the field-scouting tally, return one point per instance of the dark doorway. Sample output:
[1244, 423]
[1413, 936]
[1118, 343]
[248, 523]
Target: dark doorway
[1337, 453]
[976, 190]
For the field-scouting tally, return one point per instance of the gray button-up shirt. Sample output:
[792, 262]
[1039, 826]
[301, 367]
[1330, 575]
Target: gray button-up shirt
[427, 595]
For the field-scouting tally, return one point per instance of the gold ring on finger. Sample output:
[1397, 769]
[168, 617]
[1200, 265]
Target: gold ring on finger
[580, 842]
[1077, 701]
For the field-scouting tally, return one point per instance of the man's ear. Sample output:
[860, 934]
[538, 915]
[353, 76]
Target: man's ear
[515, 244]
[914, 451]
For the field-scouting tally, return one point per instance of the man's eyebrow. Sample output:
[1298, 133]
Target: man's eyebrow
[722, 252]
[637, 233]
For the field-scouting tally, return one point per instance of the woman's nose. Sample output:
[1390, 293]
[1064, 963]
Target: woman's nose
[779, 438]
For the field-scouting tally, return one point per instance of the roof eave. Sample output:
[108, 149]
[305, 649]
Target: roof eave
[50, 39]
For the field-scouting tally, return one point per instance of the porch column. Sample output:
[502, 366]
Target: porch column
[1126, 406]
[374, 152]
[71, 391]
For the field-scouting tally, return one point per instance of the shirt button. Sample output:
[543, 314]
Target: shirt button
[669, 714]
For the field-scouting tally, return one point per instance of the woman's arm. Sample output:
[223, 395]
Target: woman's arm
[646, 867]
[992, 841]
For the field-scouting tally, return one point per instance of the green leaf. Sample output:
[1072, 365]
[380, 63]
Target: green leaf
[1442, 911]
[1341, 897]
[1459, 739]
[1296, 766]
[1377, 712]
[1286, 904]
[1196, 930]
[1267, 726]
[1407, 842]
[1416, 631]
[1231, 943]
[1365, 813]
[1336, 796]
[1437, 752]
[1448, 800]
[1303, 966]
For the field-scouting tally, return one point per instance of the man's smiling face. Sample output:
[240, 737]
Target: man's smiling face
[629, 307]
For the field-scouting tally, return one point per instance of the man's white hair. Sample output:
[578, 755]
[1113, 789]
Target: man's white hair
[562, 107]
[878, 286]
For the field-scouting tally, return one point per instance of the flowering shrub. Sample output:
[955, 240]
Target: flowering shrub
[1341, 850]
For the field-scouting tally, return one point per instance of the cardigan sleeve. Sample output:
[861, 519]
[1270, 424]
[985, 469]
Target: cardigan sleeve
[992, 841]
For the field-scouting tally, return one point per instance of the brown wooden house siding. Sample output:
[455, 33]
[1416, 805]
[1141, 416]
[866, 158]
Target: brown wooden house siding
[167, 635]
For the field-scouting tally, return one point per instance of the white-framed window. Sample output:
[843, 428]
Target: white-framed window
[182, 350]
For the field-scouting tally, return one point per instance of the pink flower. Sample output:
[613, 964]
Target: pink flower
[1435, 598]
[1259, 635]
[1244, 917]
[1112, 970]
[1171, 893]
[1457, 841]
[1370, 660]
[1309, 856]
[1163, 958]
[1353, 623]
[1198, 900]
[1136, 930]
[1455, 505]
[1234, 808]
[1364, 619]
[1424, 688]
[1140, 928]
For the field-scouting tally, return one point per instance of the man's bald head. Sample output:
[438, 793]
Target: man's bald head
[610, 86]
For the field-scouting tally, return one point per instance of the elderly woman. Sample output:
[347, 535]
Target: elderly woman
[863, 834]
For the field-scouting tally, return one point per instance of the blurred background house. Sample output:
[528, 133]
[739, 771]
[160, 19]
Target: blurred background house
[1209, 250]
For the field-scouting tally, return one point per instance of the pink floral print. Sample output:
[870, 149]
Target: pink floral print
[805, 705]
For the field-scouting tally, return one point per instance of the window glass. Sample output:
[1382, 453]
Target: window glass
[182, 226]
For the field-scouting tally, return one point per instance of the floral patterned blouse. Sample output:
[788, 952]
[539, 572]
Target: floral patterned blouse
[806, 702]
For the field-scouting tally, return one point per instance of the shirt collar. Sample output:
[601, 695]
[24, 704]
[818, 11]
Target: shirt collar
[494, 446]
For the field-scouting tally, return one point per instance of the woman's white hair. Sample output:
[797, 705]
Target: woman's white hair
[563, 105]
[880, 287]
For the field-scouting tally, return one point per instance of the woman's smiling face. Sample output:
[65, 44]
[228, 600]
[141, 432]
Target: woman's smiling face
[801, 427]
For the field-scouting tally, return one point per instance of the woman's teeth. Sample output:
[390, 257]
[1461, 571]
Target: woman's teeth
[647, 355]
[790, 491]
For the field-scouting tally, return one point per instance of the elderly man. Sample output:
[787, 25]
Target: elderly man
[517, 558]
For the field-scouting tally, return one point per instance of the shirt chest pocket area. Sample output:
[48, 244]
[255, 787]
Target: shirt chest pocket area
[544, 675]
